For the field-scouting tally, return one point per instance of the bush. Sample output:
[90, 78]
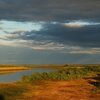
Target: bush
[65, 74]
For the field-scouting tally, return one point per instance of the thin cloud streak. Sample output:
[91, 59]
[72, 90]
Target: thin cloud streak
[79, 24]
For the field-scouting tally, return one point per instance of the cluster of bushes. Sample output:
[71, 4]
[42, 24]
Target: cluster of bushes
[93, 68]
[64, 74]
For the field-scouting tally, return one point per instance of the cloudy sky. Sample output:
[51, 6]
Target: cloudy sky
[49, 31]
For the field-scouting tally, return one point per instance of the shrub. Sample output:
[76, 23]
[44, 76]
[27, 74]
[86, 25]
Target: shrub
[64, 74]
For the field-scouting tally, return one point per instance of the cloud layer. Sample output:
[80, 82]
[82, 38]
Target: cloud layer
[48, 10]
[69, 37]
[78, 24]
[49, 31]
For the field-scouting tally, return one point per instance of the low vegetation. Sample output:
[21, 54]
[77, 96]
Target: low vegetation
[11, 91]
[29, 87]
[66, 73]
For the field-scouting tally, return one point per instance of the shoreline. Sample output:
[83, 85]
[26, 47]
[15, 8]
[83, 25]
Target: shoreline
[7, 70]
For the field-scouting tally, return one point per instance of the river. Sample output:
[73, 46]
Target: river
[13, 77]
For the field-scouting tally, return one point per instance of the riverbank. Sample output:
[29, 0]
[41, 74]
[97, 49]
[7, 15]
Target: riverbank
[6, 68]
[69, 83]
[12, 68]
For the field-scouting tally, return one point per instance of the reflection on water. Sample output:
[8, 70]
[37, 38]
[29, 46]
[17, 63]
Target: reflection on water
[12, 77]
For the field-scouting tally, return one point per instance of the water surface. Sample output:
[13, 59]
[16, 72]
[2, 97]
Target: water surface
[12, 77]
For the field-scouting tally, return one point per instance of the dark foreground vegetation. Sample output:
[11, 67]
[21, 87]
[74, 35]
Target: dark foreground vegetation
[32, 87]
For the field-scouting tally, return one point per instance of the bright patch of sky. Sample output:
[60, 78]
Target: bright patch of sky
[13, 26]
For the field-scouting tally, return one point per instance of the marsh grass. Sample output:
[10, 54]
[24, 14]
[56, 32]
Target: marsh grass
[66, 73]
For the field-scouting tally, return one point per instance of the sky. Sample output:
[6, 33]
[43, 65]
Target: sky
[49, 31]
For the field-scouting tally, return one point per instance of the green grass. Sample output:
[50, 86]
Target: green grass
[66, 73]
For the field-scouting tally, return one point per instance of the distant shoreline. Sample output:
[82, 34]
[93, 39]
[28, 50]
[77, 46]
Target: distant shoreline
[7, 68]
[12, 68]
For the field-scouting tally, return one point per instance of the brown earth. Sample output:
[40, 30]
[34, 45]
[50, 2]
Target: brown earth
[63, 90]
[81, 89]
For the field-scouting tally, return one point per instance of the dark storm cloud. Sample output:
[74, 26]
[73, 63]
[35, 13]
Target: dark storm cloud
[49, 9]
[87, 37]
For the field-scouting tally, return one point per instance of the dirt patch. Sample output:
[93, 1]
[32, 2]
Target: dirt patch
[80, 89]
[63, 90]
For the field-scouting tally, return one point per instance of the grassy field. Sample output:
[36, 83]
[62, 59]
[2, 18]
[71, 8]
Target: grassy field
[64, 84]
